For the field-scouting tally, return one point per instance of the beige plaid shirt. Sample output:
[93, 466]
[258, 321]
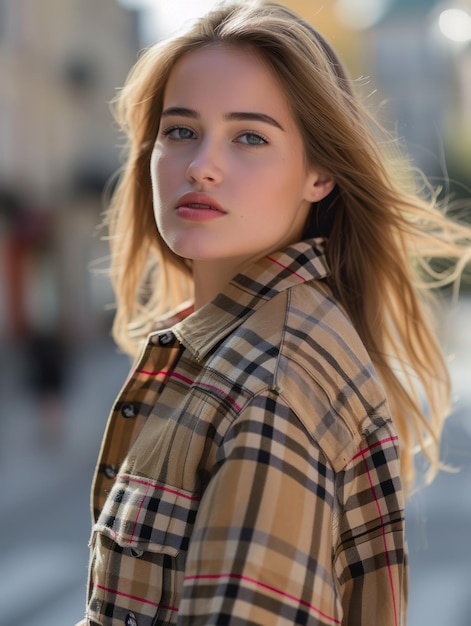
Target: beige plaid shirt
[249, 473]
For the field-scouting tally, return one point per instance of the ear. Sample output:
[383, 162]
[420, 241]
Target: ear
[318, 186]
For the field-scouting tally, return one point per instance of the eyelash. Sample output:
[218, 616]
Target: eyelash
[251, 133]
[168, 131]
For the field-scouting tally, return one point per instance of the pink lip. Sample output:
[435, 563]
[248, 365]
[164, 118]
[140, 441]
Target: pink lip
[198, 207]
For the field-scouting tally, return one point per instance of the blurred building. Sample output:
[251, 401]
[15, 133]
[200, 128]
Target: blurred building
[60, 65]
[425, 77]
[422, 75]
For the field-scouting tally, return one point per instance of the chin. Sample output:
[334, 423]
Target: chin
[190, 249]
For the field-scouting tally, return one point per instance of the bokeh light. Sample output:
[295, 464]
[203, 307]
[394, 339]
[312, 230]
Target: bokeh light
[455, 24]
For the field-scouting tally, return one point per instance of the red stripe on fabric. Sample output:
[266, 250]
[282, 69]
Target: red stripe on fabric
[265, 586]
[131, 597]
[190, 382]
[286, 268]
[231, 400]
[148, 484]
[374, 445]
[378, 508]
[113, 532]
[138, 513]
[162, 372]
[181, 377]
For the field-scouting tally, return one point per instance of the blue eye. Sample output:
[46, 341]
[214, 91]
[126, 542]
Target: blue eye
[179, 133]
[252, 139]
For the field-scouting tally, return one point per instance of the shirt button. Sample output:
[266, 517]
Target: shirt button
[128, 410]
[110, 471]
[130, 620]
[166, 339]
[136, 553]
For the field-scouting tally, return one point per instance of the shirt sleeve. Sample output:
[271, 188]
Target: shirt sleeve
[273, 545]
[371, 555]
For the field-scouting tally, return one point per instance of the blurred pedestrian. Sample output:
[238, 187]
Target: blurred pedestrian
[46, 359]
[34, 312]
[254, 466]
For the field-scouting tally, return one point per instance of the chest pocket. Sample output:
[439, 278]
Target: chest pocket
[142, 514]
[139, 546]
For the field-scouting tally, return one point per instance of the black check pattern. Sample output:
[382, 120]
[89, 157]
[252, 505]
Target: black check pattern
[258, 479]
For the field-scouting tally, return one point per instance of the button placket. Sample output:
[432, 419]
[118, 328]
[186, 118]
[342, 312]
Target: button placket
[136, 553]
[130, 620]
[110, 471]
[166, 339]
[128, 410]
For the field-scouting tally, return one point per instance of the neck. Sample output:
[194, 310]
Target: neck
[211, 277]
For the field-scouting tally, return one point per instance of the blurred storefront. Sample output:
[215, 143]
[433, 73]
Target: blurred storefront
[60, 64]
[418, 53]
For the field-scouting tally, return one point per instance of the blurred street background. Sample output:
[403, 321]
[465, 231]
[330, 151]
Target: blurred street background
[60, 65]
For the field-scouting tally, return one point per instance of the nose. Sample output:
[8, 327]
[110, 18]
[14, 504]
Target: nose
[205, 165]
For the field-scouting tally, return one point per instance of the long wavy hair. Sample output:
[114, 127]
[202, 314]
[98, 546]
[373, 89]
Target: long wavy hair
[382, 237]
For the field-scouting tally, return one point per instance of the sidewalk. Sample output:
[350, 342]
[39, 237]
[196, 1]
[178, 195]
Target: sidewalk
[45, 506]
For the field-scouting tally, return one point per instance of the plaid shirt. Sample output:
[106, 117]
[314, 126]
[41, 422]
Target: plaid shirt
[249, 473]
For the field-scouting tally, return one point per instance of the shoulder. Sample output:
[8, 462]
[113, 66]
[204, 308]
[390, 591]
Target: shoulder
[327, 375]
[323, 371]
[301, 345]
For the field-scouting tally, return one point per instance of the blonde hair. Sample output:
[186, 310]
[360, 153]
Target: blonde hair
[383, 235]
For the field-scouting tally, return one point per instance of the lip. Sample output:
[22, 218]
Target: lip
[207, 207]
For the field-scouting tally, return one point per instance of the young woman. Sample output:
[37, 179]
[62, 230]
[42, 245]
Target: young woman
[254, 465]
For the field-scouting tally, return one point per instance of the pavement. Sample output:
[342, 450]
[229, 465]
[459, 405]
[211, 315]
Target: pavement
[44, 507]
[47, 468]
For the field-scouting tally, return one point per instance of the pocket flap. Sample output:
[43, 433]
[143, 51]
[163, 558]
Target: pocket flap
[146, 515]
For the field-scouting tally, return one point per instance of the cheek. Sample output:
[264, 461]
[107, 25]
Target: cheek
[153, 170]
[161, 175]
[156, 164]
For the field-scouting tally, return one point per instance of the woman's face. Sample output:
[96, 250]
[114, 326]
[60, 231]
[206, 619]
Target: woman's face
[228, 170]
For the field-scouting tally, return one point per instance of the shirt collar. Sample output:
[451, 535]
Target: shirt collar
[248, 291]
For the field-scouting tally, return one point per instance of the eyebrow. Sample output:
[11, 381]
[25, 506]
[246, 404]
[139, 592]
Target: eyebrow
[234, 116]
